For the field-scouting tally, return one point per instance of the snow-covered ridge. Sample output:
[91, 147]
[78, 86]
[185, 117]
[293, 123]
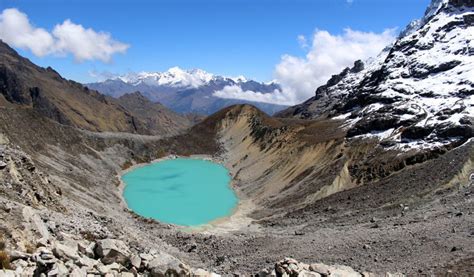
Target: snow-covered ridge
[176, 77]
[429, 77]
[418, 93]
[432, 9]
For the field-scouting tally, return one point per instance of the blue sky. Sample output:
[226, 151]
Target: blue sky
[229, 37]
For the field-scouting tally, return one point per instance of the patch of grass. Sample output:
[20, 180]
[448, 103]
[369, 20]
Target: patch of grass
[4, 260]
[127, 165]
[30, 248]
[160, 153]
[4, 257]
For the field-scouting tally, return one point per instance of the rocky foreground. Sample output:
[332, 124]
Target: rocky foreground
[112, 257]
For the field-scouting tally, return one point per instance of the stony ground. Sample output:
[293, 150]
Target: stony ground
[417, 236]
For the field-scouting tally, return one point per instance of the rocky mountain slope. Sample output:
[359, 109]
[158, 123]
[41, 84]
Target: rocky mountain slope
[185, 92]
[309, 189]
[67, 102]
[155, 116]
[418, 93]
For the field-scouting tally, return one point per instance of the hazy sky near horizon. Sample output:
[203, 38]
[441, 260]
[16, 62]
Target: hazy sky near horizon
[86, 40]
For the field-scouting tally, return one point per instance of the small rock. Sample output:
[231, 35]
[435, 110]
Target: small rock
[87, 262]
[7, 273]
[366, 246]
[306, 273]
[136, 261]
[341, 270]
[15, 255]
[165, 264]
[42, 242]
[104, 269]
[203, 273]
[21, 263]
[87, 250]
[262, 273]
[65, 252]
[320, 268]
[59, 269]
[134, 271]
[3, 164]
[7, 208]
[192, 248]
[146, 257]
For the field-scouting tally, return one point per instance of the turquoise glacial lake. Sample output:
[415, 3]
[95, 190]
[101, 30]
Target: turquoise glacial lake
[180, 191]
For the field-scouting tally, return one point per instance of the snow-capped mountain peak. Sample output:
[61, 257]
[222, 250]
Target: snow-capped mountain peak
[239, 79]
[432, 9]
[187, 91]
[175, 77]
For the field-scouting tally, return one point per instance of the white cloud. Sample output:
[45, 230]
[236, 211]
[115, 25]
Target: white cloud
[350, 1]
[86, 44]
[302, 41]
[236, 92]
[15, 29]
[328, 55]
[66, 38]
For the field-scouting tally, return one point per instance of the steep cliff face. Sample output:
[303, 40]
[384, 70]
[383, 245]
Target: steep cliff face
[418, 93]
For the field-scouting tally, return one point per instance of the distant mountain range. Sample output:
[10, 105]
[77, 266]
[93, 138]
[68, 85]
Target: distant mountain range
[186, 91]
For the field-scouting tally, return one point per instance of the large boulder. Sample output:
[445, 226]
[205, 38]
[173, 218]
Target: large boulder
[306, 273]
[87, 249]
[59, 269]
[449, 130]
[78, 272]
[65, 252]
[136, 261]
[106, 269]
[343, 271]
[113, 251]
[167, 265]
[416, 132]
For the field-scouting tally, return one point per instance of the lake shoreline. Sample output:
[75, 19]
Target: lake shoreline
[235, 220]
